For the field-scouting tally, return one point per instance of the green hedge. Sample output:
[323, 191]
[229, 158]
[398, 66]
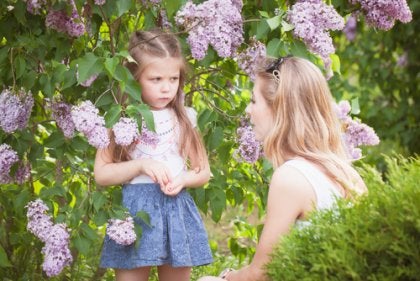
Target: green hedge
[377, 238]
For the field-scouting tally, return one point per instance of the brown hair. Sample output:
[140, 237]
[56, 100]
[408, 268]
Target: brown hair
[305, 123]
[156, 43]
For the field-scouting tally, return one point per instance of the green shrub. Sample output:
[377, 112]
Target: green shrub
[376, 238]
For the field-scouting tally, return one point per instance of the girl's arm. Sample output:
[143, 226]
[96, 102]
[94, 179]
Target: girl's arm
[109, 173]
[290, 196]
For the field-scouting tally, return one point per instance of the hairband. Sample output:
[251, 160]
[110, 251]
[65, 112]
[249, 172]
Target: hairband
[274, 67]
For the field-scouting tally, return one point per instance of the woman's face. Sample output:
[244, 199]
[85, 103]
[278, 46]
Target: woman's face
[159, 82]
[260, 114]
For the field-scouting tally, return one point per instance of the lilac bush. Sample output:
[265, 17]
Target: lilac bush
[8, 157]
[61, 113]
[249, 58]
[61, 21]
[250, 149]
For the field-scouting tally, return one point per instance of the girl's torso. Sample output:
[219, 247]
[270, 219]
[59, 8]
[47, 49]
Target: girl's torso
[163, 144]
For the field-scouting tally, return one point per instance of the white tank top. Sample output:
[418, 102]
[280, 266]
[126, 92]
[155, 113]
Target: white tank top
[326, 191]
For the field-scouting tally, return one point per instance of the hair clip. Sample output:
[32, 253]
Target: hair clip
[274, 67]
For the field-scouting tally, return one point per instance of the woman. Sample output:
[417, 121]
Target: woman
[292, 113]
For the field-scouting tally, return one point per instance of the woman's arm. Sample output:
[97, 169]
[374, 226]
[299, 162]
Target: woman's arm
[109, 173]
[289, 197]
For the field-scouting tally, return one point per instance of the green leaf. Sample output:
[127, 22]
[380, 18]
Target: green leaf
[144, 217]
[56, 139]
[217, 203]
[112, 115]
[20, 65]
[123, 6]
[216, 138]
[273, 47]
[335, 63]
[274, 22]
[88, 65]
[286, 26]
[111, 64]
[172, 6]
[82, 244]
[98, 200]
[4, 261]
[147, 116]
[355, 107]
[264, 14]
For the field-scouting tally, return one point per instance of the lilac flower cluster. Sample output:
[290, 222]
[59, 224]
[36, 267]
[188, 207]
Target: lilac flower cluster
[23, 172]
[148, 3]
[214, 22]
[148, 137]
[350, 28]
[312, 20]
[356, 133]
[62, 22]
[122, 231]
[126, 131]
[15, 110]
[56, 250]
[8, 157]
[61, 113]
[249, 149]
[249, 59]
[383, 13]
[87, 121]
[100, 2]
[34, 6]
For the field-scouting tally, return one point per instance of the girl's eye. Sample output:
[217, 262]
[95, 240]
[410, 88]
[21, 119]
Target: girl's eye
[174, 79]
[156, 79]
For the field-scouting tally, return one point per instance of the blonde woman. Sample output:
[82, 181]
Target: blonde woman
[292, 113]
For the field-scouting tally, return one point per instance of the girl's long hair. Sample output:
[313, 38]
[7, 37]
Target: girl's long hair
[305, 123]
[144, 45]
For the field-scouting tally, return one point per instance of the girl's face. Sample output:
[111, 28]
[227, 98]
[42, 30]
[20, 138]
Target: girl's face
[159, 81]
[260, 114]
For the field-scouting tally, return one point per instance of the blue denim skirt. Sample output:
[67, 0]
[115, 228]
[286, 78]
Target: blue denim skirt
[176, 236]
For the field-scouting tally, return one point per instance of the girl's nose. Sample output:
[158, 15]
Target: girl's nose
[165, 86]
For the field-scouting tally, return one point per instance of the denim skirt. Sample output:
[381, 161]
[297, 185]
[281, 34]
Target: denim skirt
[176, 235]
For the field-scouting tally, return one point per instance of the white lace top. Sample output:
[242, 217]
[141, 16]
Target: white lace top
[166, 148]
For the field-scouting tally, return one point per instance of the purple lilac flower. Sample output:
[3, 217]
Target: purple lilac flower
[23, 172]
[249, 149]
[39, 223]
[87, 121]
[34, 6]
[62, 22]
[56, 251]
[312, 20]
[61, 113]
[88, 82]
[355, 132]
[148, 137]
[403, 60]
[122, 231]
[126, 131]
[383, 13]
[350, 28]
[100, 2]
[15, 110]
[214, 22]
[163, 19]
[8, 157]
[249, 59]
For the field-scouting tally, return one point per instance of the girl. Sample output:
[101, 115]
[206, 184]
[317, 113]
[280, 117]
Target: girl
[291, 111]
[154, 174]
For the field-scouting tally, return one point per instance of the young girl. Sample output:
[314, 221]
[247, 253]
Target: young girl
[292, 113]
[154, 174]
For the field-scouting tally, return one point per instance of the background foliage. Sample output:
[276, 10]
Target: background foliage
[45, 62]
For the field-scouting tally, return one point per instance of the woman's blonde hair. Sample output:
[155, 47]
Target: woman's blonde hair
[144, 45]
[305, 123]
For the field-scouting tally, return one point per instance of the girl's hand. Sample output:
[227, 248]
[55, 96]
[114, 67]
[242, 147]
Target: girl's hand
[175, 186]
[158, 171]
